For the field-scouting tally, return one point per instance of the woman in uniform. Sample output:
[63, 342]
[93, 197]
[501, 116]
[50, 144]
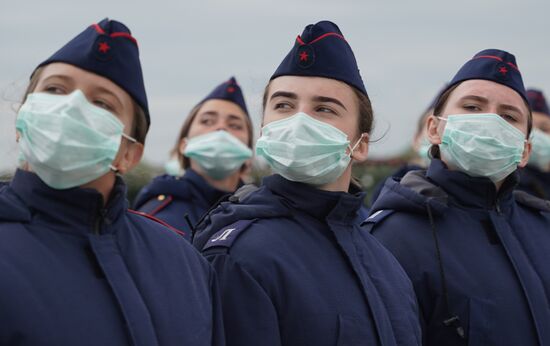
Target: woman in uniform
[76, 266]
[213, 147]
[535, 177]
[476, 252]
[294, 266]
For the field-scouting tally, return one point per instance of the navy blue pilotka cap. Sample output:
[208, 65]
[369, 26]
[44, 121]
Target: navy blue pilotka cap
[322, 51]
[109, 50]
[537, 101]
[493, 65]
[228, 91]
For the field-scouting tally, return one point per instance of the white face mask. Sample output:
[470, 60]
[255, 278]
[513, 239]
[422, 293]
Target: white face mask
[303, 149]
[482, 145]
[66, 140]
[218, 153]
[540, 154]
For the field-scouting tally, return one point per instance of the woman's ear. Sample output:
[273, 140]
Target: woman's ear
[361, 150]
[131, 157]
[434, 133]
[526, 154]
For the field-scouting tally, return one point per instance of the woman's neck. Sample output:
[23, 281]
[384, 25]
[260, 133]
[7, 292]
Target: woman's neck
[339, 185]
[104, 184]
[227, 184]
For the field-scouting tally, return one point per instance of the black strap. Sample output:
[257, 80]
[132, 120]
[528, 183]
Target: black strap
[452, 320]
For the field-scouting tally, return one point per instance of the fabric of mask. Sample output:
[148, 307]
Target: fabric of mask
[482, 145]
[173, 167]
[423, 151]
[218, 153]
[303, 149]
[66, 140]
[540, 152]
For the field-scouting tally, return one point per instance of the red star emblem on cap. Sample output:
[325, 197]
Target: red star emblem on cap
[303, 56]
[103, 47]
[230, 90]
[503, 70]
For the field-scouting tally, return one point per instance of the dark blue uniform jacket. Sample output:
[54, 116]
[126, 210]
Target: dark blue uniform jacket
[73, 272]
[493, 251]
[399, 173]
[296, 269]
[170, 198]
[534, 181]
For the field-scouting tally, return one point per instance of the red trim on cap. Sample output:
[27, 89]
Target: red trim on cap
[301, 42]
[114, 34]
[496, 58]
[327, 34]
[125, 35]
[98, 29]
[156, 220]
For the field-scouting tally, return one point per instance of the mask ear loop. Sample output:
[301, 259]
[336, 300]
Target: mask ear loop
[131, 139]
[351, 149]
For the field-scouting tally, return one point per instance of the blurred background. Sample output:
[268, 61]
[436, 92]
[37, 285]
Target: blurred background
[406, 51]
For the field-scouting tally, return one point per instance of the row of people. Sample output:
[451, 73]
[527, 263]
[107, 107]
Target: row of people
[450, 255]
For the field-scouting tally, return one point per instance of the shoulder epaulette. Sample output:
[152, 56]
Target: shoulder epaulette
[226, 237]
[377, 216]
[156, 204]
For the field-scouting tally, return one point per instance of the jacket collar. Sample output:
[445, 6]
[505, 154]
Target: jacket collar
[74, 210]
[476, 192]
[323, 205]
[202, 189]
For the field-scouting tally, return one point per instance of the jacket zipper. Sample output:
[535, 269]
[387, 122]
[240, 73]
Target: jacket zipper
[99, 219]
[497, 207]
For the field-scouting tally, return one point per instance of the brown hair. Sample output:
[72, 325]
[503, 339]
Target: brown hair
[139, 122]
[186, 127]
[442, 102]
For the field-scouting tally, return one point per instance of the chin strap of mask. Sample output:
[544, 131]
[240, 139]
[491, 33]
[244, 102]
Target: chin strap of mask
[452, 320]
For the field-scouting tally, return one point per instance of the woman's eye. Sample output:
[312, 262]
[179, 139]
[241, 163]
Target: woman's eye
[236, 127]
[282, 106]
[207, 121]
[103, 105]
[509, 117]
[471, 108]
[53, 89]
[325, 110]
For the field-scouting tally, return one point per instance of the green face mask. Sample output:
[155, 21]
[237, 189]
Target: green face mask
[482, 145]
[540, 153]
[303, 149]
[173, 167]
[218, 153]
[66, 140]
[423, 151]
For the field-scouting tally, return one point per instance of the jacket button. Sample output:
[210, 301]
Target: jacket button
[161, 197]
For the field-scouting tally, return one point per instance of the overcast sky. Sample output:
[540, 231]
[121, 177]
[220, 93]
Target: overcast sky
[406, 50]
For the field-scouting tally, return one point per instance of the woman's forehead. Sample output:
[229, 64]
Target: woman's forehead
[222, 107]
[82, 78]
[492, 91]
[311, 86]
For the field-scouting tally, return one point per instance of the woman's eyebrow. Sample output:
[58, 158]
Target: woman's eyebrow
[329, 100]
[284, 94]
